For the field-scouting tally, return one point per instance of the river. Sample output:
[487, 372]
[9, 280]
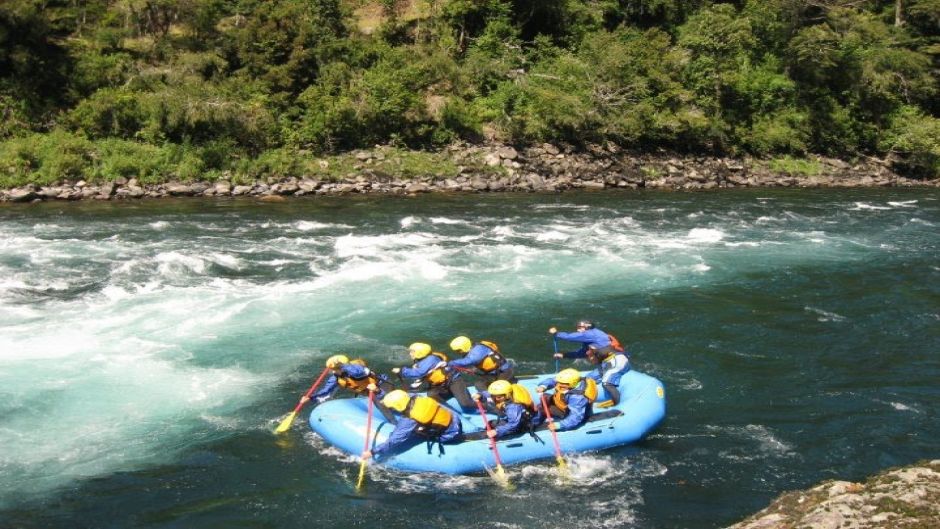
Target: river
[147, 349]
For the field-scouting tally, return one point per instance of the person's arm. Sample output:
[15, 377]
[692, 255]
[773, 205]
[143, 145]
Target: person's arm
[402, 432]
[577, 407]
[580, 353]
[326, 390]
[579, 337]
[422, 368]
[513, 419]
[471, 359]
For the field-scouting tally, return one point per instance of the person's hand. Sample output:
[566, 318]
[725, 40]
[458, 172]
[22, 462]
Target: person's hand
[476, 397]
[396, 370]
[372, 387]
[559, 355]
[491, 434]
[552, 330]
[540, 389]
[305, 399]
[552, 427]
[366, 455]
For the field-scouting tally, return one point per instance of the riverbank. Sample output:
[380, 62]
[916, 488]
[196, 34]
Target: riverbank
[493, 168]
[905, 497]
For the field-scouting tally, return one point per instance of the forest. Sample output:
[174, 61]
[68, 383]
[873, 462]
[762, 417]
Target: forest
[200, 89]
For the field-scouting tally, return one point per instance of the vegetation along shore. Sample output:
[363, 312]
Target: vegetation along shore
[108, 98]
[493, 168]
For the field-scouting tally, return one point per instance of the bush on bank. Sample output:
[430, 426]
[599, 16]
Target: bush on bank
[172, 89]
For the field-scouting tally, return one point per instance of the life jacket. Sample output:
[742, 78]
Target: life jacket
[588, 388]
[358, 385]
[437, 377]
[493, 361]
[428, 413]
[520, 395]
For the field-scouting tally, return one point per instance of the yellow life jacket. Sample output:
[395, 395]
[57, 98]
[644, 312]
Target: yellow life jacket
[428, 412]
[588, 388]
[520, 395]
[438, 376]
[358, 385]
[492, 361]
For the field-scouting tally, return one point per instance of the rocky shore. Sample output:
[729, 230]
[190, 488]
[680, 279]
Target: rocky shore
[496, 168]
[901, 498]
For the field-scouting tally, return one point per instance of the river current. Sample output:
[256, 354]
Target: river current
[148, 349]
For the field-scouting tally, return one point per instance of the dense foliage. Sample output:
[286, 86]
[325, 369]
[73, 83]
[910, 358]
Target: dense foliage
[158, 89]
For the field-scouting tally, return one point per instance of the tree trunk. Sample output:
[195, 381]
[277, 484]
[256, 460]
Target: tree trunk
[899, 13]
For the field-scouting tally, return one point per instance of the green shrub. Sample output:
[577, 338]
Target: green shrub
[914, 140]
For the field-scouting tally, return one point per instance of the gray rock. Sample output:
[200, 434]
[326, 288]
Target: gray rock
[22, 195]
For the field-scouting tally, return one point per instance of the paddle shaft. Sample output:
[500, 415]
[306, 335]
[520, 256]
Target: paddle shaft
[312, 389]
[557, 361]
[362, 464]
[548, 417]
[486, 424]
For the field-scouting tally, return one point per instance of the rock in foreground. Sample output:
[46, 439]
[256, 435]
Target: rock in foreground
[901, 498]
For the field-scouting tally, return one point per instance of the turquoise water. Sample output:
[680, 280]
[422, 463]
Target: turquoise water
[147, 349]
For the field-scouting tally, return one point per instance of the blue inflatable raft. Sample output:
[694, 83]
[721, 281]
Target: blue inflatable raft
[342, 423]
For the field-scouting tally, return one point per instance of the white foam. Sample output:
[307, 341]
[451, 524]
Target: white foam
[864, 206]
[824, 316]
[705, 235]
[447, 221]
[309, 225]
[903, 203]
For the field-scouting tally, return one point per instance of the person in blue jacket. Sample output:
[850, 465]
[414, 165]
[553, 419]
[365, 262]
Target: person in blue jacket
[602, 350]
[513, 406]
[482, 359]
[355, 376]
[572, 399]
[431, 367]
[423, 418]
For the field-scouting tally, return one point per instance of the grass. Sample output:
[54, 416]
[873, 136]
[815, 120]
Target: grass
[795, 166]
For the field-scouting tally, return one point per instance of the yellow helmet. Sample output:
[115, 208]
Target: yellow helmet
[569, 376]
[461, 343]
[336, 360]
[396, 400]
[500, 387]
[419, 350]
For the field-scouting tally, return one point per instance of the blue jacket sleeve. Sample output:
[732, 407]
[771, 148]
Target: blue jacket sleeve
[513, 421]
[327, 389]
[474, 357]
[402, 432]
[422, 368]
[577, 407]
[591, 336]
[580, 353]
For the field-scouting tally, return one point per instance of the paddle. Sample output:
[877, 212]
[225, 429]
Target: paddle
[557, 360]
[562, 466]
[362, 464]
[500, 476]
[285, 424]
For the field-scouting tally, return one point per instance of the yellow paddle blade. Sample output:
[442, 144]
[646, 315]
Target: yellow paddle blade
[362, 475]
[502, 478]
[499, 476]
[285, 424]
